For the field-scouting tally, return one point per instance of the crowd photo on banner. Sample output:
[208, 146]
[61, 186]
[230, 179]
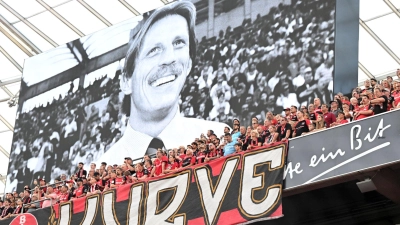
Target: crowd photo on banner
[265, 80]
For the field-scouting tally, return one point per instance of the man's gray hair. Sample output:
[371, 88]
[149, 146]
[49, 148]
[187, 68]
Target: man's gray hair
[185, 9]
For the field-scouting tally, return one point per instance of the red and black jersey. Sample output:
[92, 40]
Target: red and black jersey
[26, 200]
[313, 116]
[6, 211]
[211, 153]
[158, 165]
[396, 97]
[81, 173]
[301, 127]
[317, 110]
[80, 191]
[101, 183]
[365, 108]
[188, 160]
[57, 191]
[64, 197]
[140, 174]
[93, 188]
[293, 117]
[119, 181]
[172, 166]
[18, 210]
[219, 151]
[200, 157]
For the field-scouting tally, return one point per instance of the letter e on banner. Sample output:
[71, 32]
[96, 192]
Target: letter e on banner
[253, 181]
[178, 184]
[24, 219]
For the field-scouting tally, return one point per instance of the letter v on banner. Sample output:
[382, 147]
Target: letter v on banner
[211, 195]
[252, 181]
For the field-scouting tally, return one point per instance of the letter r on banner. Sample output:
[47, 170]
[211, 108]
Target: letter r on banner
[179, 183]
[251, 181]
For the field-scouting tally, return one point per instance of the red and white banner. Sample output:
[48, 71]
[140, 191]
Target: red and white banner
[240, 188]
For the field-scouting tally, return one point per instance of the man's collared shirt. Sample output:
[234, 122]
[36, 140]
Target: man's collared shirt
[180, 131]
[230, 148]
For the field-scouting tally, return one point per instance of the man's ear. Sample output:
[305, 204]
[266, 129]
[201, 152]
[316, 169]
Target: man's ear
[126, 85]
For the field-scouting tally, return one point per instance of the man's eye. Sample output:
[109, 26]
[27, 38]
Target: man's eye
[154, 51]
[179, 43]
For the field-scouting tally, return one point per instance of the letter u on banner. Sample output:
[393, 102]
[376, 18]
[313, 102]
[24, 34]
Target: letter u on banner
[252, 181]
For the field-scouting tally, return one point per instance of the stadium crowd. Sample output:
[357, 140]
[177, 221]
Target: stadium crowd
[245, 77]
[373, 99]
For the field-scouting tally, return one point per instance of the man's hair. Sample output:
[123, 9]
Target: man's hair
[238, 144]
[96, 174]
[185, 9]
[227, 135]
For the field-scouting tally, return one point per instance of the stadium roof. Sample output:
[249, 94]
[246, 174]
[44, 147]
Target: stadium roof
[30, 27]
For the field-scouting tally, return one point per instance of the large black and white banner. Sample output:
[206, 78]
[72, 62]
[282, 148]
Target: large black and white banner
[171, 74]
[345, 149]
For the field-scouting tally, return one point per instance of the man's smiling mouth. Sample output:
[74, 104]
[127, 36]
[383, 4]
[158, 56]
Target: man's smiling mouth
[163, 80]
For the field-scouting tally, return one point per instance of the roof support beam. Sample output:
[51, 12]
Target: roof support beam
[2, 150]
[380, 42]
[17, 38]
[95, 13]
[5, 89]
[29, 24]
[365, 70]
[165, 1]
[7, 82]
[11, 59]
[128, 6]
[2, 119]
[392, 7]
[56, 14]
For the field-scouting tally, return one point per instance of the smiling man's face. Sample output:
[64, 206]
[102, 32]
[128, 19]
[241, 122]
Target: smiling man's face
[162, 65]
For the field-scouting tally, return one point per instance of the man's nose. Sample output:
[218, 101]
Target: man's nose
[167, 56]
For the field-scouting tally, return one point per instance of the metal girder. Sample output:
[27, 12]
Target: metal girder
[29, 24]
[128, 6]
[380, 42]
[61, 18]
[165, 1]
[2, 119]
[5, 89]
[7, 82]
[2, 150]
[365, 70]
[17, 38]
[392, 7]
[95, 13]
[11, 59]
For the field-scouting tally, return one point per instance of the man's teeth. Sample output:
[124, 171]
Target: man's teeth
[163, 80]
